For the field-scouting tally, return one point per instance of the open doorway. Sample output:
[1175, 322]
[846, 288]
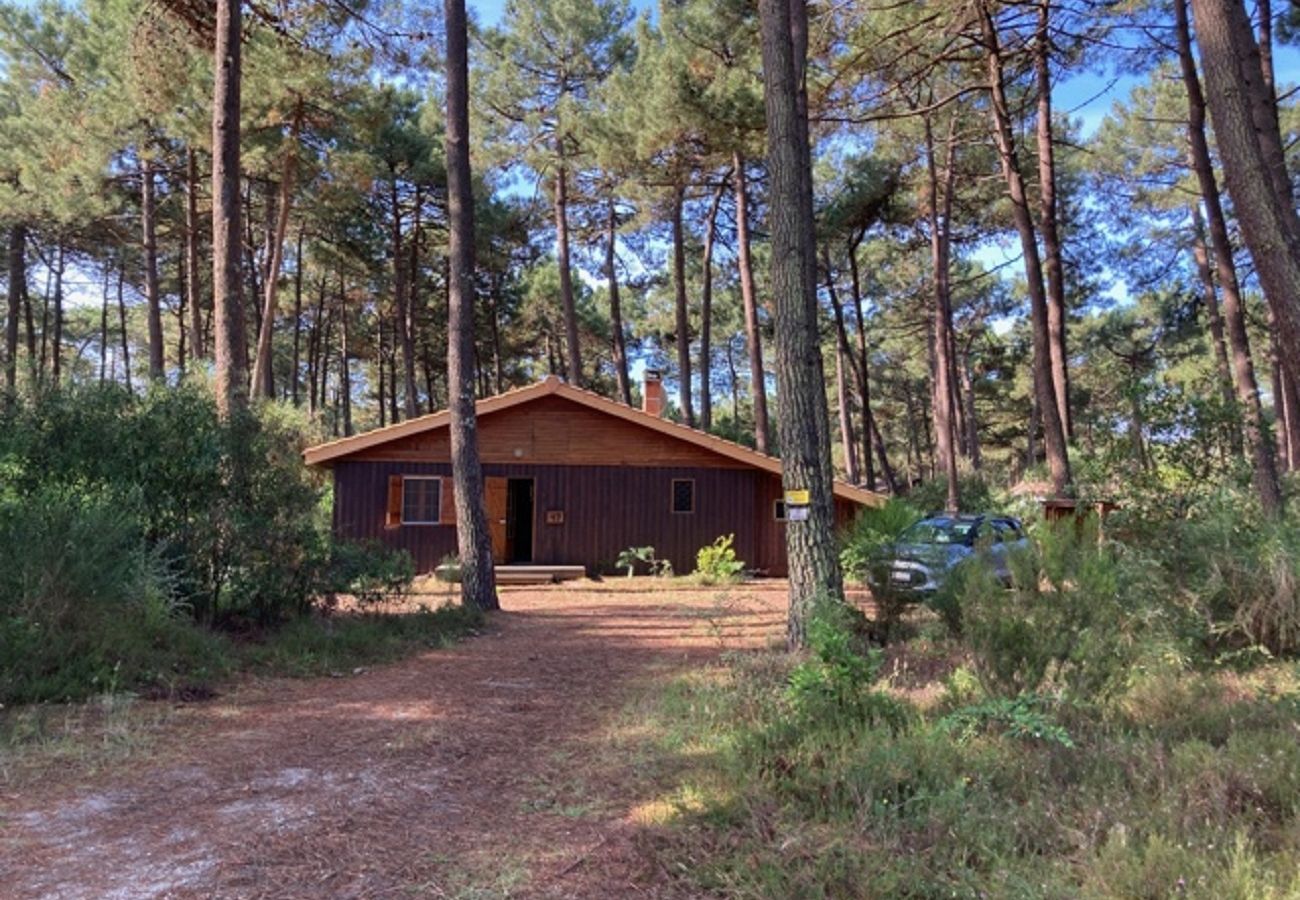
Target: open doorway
[519, 520]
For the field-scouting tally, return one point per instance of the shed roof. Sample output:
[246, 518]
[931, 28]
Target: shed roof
[325, 454]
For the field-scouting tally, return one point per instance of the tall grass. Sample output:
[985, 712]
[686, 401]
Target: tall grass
[1157, 795]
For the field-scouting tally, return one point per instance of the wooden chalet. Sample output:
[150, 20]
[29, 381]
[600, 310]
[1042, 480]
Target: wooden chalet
[571, 478]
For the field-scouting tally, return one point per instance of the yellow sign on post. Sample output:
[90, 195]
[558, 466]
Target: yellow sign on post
[797, 498]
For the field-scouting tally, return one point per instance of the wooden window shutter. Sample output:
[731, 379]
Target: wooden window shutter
[447, 511]
[393, 515]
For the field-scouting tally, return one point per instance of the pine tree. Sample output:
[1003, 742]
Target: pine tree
[802, 419]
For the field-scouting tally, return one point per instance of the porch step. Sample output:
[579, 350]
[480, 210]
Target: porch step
[538, 574]
[524, 574]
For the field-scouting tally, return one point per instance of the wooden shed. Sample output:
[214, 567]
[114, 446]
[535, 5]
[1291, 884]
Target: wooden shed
[571, 478]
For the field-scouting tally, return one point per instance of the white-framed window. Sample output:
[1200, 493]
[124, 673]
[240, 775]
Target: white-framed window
[683, 496]
[421, 499]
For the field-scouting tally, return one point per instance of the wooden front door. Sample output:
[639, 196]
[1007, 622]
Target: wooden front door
[496, 494]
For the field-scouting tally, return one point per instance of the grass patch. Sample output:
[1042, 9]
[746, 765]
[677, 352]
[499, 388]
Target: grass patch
[323, 645]
[1185, 784]
[193, 666]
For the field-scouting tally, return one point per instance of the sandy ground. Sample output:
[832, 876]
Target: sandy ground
[482, 770]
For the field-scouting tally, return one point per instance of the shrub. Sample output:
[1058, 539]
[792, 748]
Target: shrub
[84, 605]
[227, 506]
[717, 563]
[1238, 571]
[838, 681]
[1077, 615]
[629, 558]
[1026, 716]
[369, 570]
[124, 519]
[973, 494]
[873, 529]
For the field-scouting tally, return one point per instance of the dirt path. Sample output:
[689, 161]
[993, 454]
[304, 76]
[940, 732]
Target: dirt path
[482, 770]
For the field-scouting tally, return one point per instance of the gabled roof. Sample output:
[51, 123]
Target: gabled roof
[324, 454]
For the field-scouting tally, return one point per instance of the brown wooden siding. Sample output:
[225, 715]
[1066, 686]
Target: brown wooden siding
[606, 510]
[556, 431]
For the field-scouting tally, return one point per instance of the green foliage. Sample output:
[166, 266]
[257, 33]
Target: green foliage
[974, 495]
[629, 558]
[1186, 786]
[838, 680]
[227, 506]
[1026, 716]
[873, 529]
[321, 645]
[370, 571]
[85, 605]
[1237, 571]
[124, 519]
[717, 563]
[1078, 614]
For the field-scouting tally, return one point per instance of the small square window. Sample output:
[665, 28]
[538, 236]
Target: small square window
[421, 500]
[778, 510]
[683, 495]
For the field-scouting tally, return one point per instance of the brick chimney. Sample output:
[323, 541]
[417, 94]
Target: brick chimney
[654, 401]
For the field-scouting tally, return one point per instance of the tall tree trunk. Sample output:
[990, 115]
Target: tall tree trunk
[181, 325]
[1044, 387]
[735, 380]
[848, 440]
[148, 216]
[683, 323]
[706, 309]
[394, 415]
[1053, 266]
[915, 461]
[405, 320]
[972, 423]
[473, 539]
[345, 365]
[47, 297]
[121, 318]
[1230, 116]
[619, 345]
[231, 348]
[17, 286]
[28, 316]
[1288, 415]
[56, 344]
[753, 334]
[263, 368]
[1286, 402]
[103, 332]
[870, 430]
[295, 383]
[197, 342]
[886, 469]
[943, 406]
[315, 393]
[381, 385]
[326, 326]
[573, 349]
[413, 289]
[1210, 296]
[1277, 387]
[498, 372]
[843, 356]
[802, 420]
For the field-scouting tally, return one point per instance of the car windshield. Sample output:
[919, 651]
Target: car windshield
[939, 531]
